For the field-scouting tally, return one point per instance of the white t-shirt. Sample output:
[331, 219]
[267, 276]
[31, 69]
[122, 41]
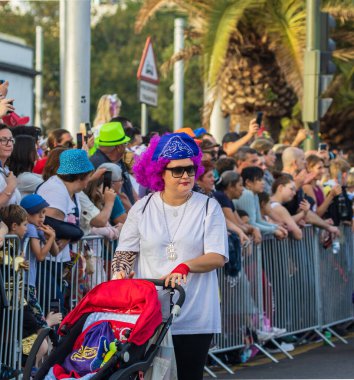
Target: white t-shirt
[16, 195]
[199, 233]
[56, 194]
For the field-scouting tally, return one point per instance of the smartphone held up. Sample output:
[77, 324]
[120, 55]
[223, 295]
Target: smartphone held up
[107, 180]
[79, 139]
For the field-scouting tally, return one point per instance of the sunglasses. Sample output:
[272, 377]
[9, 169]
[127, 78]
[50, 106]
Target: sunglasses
[178, 171]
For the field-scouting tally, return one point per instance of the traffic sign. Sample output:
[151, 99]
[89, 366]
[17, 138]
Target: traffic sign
[147, 93]
[147, 68]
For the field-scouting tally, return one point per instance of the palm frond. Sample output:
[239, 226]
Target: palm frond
[149, 8]
[185, 54]
[345, 55]
[222, 21]
[340, 9]
[344, 36]
[285, 22]
[193, 8]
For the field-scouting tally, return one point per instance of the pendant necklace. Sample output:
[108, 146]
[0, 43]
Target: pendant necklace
[171, 249]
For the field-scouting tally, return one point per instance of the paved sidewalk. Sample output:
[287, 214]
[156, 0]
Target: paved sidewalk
[315, 361]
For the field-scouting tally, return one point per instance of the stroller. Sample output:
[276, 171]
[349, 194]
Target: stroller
[107, 335]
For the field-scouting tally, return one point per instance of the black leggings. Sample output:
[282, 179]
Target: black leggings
[191, 352]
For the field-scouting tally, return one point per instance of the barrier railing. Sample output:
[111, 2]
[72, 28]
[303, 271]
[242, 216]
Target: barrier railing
[284, 288]
[336, 282]
[11, 317]
[296, 286]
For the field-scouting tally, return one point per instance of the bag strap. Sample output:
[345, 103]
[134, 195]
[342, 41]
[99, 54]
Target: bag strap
[147, 201]
[207, 206]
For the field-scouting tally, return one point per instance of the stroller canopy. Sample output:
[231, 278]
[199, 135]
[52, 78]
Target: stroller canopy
[125, 297]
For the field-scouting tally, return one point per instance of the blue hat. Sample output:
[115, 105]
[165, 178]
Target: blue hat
[74, 161]
[33, 203]
[175, 146]
[199, 131]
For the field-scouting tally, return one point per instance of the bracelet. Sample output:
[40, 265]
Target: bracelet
[7, 193]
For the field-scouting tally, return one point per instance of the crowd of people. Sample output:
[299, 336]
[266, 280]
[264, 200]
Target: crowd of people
[169, 202]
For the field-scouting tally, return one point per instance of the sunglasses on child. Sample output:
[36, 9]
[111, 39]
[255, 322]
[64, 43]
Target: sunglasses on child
[178, 171]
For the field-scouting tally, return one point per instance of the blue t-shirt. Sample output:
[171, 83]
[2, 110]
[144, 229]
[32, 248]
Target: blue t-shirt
[32, 232]
[117, 210]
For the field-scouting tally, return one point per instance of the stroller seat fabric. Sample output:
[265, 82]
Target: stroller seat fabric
[92, 349]
[114, 314]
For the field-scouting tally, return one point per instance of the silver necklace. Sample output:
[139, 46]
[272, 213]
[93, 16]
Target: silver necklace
[171, 249]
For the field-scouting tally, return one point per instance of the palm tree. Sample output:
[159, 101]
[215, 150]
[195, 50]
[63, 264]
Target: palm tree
[252, 51]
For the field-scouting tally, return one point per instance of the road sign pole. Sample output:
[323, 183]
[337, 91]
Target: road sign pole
[144, 119]
[148, 79]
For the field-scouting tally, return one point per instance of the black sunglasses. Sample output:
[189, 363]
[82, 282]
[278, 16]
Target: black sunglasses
[178, 171]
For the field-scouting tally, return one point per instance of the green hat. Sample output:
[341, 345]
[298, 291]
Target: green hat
[112, 134]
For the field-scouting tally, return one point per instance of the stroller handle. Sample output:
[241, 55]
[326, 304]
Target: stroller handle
[179, 288]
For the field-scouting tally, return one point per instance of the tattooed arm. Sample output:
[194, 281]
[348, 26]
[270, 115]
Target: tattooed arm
[122, 264]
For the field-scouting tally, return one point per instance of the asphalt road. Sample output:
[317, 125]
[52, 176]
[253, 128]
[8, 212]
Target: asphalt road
[313, 361]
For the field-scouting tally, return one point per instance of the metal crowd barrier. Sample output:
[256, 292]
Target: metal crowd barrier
[293, 285]
[68, 282]
[56, 280]
[336, 283]
[11, 311]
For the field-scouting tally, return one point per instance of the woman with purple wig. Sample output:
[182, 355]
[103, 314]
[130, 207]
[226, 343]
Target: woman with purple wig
[179, 235]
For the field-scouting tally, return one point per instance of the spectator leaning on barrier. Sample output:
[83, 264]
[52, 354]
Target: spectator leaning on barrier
[294, 165]
[340, 210]
[253, 184]
[111, 147]
[15, 217]
[265, 147]
[8, 185]
[315, 164]
[228, 187]
[21, 163]
[61, 193]
[284, 190]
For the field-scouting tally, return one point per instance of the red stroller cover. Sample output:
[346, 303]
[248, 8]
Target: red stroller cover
[122, 296]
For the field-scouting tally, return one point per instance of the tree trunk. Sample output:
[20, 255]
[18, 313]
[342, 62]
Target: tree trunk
[273, 126]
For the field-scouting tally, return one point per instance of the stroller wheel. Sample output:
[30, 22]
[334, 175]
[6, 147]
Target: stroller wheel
[31, 360]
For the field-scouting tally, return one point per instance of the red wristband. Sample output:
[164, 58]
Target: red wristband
[181, 269]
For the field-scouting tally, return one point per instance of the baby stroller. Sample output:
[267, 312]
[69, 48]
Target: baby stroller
[107, 335]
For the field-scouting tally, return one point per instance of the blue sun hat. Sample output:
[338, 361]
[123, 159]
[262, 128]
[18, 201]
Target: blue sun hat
[74, 161]
[33, 203]
[175, 146]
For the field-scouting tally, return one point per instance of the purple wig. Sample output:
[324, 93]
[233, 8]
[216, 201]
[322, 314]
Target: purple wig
[148, 173]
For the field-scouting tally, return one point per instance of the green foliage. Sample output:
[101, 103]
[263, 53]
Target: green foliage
[115, 54]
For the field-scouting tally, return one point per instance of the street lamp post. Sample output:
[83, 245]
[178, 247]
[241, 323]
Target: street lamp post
[178, 76]
[77, 65]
